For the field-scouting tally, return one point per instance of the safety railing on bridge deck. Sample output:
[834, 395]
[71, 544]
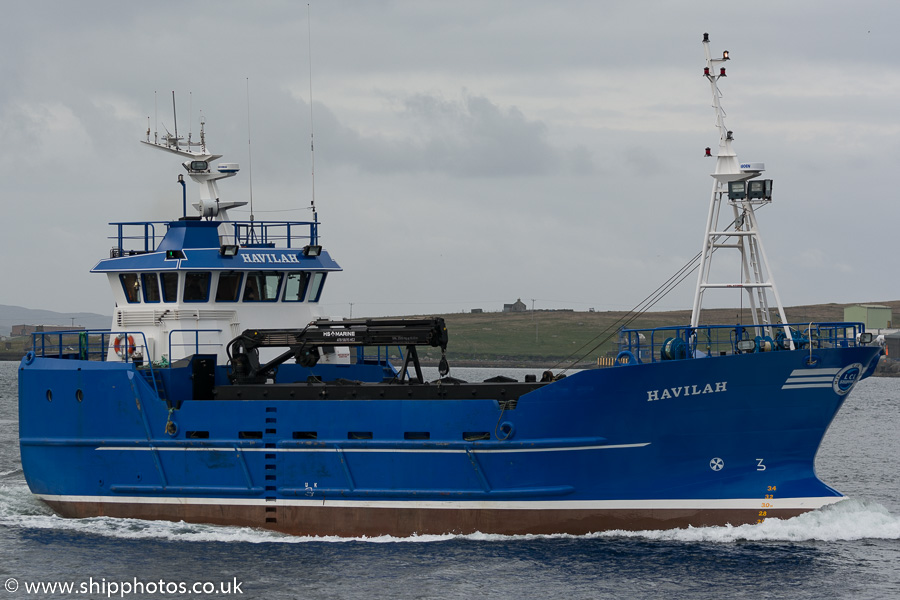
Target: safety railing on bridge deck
[134, 238]
[677, 343]
[274, 234]
[140, 237]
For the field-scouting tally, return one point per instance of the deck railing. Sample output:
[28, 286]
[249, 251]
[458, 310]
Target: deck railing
[140, 237]
[88, 344]
[95, 344]
[676, 343]
[75, 344]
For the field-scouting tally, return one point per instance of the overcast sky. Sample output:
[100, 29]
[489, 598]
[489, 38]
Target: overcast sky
[466, 153]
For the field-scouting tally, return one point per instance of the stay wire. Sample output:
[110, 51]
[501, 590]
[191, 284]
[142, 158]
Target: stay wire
[629, 317]
[639, 309]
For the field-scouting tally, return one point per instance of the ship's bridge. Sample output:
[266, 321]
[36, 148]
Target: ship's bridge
[189, 286]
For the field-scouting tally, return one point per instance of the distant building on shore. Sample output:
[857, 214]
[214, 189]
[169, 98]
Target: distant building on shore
[20, 330]
[517, 306]
[874, 316]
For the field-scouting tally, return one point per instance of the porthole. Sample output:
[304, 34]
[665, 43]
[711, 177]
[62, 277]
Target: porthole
[79, 395]
[49, 396]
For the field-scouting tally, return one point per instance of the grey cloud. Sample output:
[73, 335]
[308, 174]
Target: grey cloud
[466, 137]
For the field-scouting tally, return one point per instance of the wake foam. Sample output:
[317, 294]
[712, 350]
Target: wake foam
[847, 520]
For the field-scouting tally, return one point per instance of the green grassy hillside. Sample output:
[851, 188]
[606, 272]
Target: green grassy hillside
[549, 338]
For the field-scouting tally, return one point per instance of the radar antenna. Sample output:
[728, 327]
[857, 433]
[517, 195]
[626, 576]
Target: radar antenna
[199, 168]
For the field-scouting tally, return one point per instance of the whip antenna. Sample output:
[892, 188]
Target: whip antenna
[175, 118]
[249, 155]
[312, 149]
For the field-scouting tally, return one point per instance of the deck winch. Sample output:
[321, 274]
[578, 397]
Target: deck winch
[303, 344]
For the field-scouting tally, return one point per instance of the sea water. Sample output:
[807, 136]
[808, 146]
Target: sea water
[847, 550]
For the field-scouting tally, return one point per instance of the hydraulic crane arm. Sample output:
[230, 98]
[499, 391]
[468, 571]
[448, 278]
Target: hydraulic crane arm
[303, 344]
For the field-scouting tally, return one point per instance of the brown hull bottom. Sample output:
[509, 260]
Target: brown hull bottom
[403, 522]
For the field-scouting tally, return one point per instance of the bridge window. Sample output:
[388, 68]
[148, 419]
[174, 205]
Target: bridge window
[262, 287]
[229, 288]
[315, 286]
[295, 286]
[151, 287]
[169, 286]
[196, 287]
[131, 286]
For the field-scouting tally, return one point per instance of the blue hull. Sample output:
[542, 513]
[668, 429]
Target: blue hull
[730, 439]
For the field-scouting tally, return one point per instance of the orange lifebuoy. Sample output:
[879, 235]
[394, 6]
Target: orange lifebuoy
[118, 346]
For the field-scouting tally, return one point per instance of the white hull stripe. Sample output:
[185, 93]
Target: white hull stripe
[793, 386]
[827, 379]
[811, 372]
[810, 378]
[689, 504]
[376, 450]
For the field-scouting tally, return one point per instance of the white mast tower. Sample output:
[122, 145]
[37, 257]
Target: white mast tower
[732, 183]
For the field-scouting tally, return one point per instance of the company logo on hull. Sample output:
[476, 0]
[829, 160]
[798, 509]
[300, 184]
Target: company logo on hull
[839, 380]
[846, 379]
[686, 390]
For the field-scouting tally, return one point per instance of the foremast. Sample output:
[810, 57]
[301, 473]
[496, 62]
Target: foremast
[731, 184]
[199, 168]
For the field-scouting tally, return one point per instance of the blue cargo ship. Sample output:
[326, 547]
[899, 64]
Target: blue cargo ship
[222, 395]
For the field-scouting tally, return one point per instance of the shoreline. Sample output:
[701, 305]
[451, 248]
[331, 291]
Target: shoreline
[886, 368]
